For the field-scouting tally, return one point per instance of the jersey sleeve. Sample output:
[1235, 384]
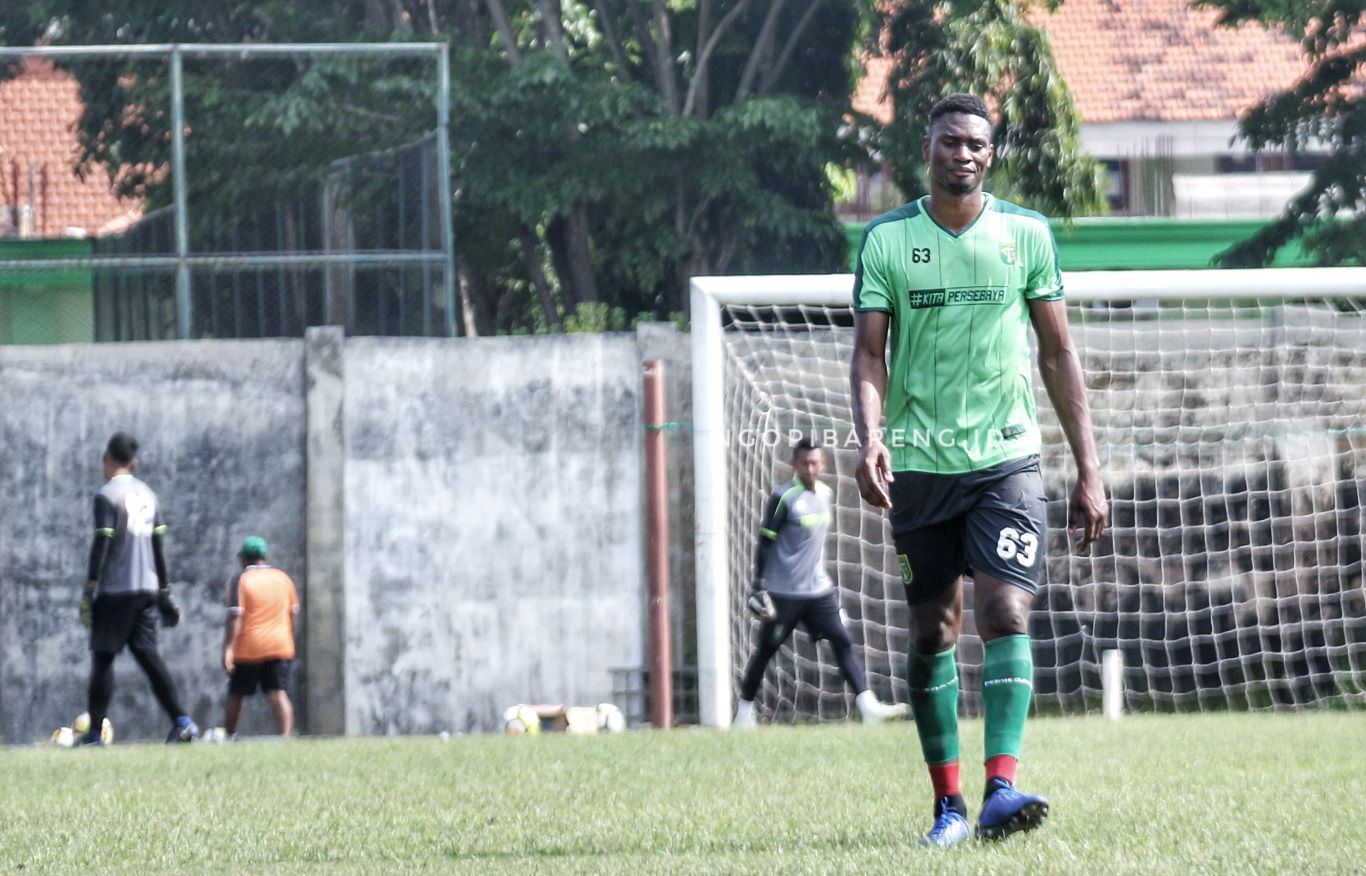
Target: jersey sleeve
[775, 515]
[234, 596]
[1045, 271]
[872, 291]
[106, 518]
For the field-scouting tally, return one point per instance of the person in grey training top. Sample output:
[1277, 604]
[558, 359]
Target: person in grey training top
[791, 586]
[126, 588]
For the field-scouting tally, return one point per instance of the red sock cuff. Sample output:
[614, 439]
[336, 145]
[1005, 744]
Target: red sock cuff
[944, 777]
[1002, 766]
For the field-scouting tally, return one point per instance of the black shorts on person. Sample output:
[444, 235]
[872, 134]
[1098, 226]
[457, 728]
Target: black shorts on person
[991, 521]
[269, 675]
[119, 619]
[820, 615]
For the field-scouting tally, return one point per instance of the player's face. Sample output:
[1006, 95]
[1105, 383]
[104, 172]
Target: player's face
[809, 466]
[959, 151]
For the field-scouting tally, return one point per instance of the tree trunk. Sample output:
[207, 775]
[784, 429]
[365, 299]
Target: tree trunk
[570, 247]
[762, 51]
[531, 252]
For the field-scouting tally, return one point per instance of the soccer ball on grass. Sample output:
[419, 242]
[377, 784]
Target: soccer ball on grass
[81, 726]
[520, 719]
[610, 718]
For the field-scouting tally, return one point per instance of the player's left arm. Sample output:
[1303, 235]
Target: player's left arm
[232, 627]
[105, 522]
[1088, 513]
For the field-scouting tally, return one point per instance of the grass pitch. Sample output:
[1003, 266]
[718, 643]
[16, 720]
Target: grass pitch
[1153, 795]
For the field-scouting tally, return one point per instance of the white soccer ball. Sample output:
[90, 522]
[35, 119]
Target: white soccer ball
[520, 719]
[610, 718]
[63, 737]
[216, 735]
[81, 726]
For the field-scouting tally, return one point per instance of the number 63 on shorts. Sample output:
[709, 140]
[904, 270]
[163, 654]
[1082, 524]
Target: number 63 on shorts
[1023, 547]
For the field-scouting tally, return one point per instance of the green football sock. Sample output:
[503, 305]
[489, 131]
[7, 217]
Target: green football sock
[1007, 685]
[933, 682]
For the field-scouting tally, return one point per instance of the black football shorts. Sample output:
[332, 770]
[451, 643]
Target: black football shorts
[268, 675]
[991, 521]
[119, 619]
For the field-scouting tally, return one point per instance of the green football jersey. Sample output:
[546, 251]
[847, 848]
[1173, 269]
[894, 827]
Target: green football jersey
[960, 393]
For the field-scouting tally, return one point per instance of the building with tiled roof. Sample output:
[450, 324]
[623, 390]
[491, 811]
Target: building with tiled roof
[40, 193]
[1162, 61]
[1159, 89]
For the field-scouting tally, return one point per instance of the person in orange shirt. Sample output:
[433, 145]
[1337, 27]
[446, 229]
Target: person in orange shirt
[258, 643]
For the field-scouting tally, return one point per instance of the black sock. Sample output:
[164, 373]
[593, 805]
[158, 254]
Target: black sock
[955, 802]
[994, 783]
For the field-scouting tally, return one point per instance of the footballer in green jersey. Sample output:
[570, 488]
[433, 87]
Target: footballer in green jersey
[959, 398]
[954, 281]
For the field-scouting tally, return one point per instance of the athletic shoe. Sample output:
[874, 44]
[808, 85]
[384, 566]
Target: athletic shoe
[950, 828]
[184, 730]
[1006, 811]
[90, 737]
[744, 721]
[879, 712]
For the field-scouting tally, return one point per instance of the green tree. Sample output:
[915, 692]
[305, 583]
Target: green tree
[1323, 109]
[604, 150]
[988, 48]
[690, 137]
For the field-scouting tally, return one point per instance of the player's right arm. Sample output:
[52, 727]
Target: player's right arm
[868, 386]
[774, 515]
[873, 306]
[293, 607]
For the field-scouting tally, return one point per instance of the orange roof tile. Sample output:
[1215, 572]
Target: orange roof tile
[1146, 60]
[39, 109]
[1132, 60]
[871, 96]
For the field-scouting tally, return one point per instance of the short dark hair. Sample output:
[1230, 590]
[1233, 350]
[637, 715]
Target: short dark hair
[804, 446]
[960, 102]
[122, 448]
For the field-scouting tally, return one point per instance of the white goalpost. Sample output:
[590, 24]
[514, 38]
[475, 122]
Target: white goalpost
[1230, 413]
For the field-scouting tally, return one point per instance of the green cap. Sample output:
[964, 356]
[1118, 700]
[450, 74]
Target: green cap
[253, 548]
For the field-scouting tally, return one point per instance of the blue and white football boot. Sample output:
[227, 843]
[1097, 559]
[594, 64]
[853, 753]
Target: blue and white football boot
[1006, 811]
[950, 827]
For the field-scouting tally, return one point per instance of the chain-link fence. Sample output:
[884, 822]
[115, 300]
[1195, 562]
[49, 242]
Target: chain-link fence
[262, 189]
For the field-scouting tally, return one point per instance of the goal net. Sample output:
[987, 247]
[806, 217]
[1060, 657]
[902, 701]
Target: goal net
[1230, 414]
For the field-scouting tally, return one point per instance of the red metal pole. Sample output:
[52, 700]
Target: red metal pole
[657, 547]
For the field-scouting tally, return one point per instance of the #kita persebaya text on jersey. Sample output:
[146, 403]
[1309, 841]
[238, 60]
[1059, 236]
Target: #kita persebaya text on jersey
[959, 395]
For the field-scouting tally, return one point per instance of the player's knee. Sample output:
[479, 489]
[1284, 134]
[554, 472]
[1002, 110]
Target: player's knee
[1002, 617]
[935, 631]
[145, 655]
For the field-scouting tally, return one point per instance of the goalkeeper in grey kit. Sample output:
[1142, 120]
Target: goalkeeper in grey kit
[126, 589]
[791, 586]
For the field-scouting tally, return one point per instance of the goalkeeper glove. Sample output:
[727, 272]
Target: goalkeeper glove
[760, 604]
[86, 617]
[170, 612]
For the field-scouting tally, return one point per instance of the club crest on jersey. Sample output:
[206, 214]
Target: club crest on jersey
[1008, 252]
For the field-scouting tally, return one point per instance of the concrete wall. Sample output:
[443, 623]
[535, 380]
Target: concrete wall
[493, 525]
[223, 445]
[464, 520]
